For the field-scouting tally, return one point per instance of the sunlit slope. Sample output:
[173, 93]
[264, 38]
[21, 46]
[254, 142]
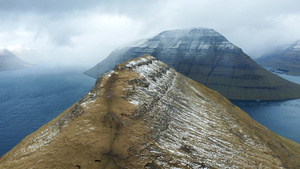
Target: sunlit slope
[207, 57]
[144, 114]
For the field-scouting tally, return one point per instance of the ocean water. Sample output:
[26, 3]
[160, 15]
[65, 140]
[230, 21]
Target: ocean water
[29, 98]
[281, 117]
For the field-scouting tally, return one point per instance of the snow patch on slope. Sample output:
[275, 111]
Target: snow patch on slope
[187, 124]
[41, 140]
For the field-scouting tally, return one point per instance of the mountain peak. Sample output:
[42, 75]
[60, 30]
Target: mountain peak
[198, 31]
[196, 38]
[144, 114]
[207, 57]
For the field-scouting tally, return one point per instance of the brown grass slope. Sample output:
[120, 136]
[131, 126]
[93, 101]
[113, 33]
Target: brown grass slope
[143, 114]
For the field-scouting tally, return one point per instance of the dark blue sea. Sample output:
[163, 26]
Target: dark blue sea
[29, 98]
[282, 117]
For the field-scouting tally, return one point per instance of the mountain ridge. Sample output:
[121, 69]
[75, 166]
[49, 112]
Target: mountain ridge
[207, 57]
[144, 114]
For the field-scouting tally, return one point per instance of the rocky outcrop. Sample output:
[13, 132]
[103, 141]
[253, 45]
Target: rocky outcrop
[9, 61]
[284, 61]
[144, 114]
[207, 57]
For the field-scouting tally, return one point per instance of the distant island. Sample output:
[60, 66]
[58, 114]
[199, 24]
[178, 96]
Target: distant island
[9, 61]
[283, 59]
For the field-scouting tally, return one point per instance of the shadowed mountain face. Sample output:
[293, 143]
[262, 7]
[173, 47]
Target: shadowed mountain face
[144, 114]
[286, 61]
[209, 58]
[9, 61]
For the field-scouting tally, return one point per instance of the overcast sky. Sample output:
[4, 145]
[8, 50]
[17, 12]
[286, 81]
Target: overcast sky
[86, 31]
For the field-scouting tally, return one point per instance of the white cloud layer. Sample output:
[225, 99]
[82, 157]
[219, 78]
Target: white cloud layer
[76, 32]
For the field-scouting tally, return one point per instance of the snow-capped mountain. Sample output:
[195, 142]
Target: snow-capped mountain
[207, 57]
[9, 61]
[286, 61]
[163, 46]
[144, 114]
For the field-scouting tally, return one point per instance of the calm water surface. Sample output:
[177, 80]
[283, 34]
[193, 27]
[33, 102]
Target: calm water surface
[29, 98]
[282, 117]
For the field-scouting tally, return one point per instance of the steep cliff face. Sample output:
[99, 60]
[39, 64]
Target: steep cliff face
[286, 61]
[144, 114]
[209, 58]
[9, 61]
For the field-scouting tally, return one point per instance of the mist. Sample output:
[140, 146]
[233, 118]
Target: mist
[77, 33]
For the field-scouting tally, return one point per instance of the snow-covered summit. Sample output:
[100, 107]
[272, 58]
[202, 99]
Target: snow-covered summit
[198, 38]
[198, 32]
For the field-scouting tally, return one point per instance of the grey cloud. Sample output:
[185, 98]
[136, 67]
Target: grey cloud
[55, 6]
[59, 7]
[93, 28]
